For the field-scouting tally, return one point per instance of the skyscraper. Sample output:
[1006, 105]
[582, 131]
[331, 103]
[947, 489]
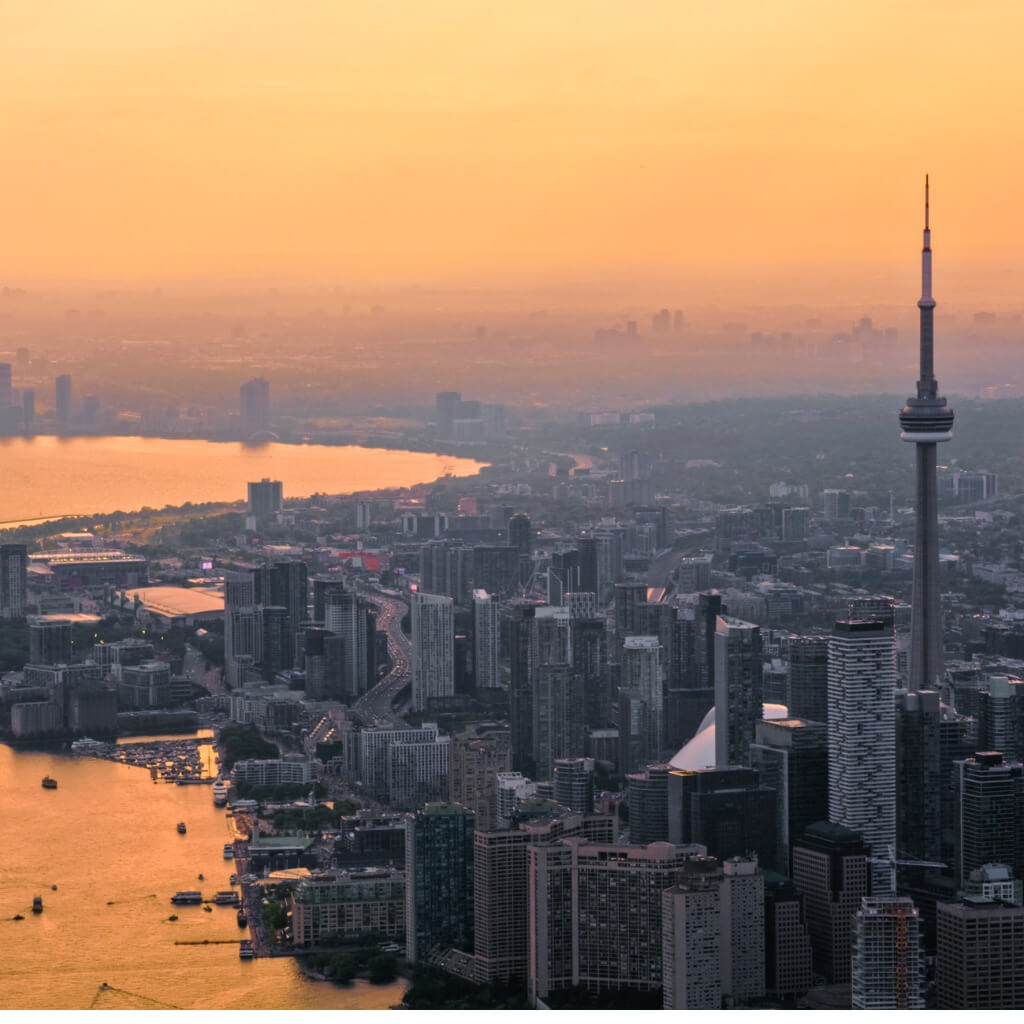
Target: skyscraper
[254, 402]
[243, 639]
[13, 580]
[807, 686]
[831, 870]
[63, 399]
[990, 813]
[265, 497]
[486, 641]
[926, 420]
[641, 672]
[439, 879]
[433, 649]
[862, 734]
[980, 961]
[739, 690]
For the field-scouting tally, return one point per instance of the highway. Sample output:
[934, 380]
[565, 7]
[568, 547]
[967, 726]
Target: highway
[375, 706]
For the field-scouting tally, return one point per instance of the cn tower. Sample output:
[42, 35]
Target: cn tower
[926, 420]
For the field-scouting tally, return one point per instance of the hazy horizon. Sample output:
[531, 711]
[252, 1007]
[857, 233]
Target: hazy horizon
[760, 155]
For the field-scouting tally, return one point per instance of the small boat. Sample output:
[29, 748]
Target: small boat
[241, 919]
[201, 879]
[49, 783]
[37, 904]
[181, 828]
[53, 887]
[208, 908]
[173, 917]
[229, 851]
[233, 880]
[18, 917]
[245, 950]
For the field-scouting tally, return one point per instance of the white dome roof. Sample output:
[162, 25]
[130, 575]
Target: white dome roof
[700, 751]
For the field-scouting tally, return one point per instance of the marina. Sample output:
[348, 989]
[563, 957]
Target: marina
[117, 878]
[185, 761]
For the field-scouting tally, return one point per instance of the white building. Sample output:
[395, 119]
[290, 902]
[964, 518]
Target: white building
[887, 962]
[862, 735]
[417, 772]
[433, 649]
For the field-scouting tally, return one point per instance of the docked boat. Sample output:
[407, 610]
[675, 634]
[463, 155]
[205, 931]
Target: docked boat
[187, 896]
[233, 880]
[181, 828]
[49, 783]
[241, 918]
[37, 904]
[229, 851]
[245, 950]
[226, 898]
[220, 793]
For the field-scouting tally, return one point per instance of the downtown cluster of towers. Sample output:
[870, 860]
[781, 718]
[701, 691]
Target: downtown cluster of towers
[839, 840]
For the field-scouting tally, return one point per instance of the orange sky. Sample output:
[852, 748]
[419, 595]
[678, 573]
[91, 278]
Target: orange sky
[442, 139]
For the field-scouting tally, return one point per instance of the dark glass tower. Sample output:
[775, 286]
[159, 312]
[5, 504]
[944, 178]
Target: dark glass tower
[926, 420]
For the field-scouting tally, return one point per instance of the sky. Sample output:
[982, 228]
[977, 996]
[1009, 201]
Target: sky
[776, 147]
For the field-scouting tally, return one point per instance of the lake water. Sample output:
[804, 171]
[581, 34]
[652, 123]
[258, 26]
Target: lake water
[45, 477]
[107, 833]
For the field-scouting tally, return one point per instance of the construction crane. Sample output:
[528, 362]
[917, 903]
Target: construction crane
[893, 862]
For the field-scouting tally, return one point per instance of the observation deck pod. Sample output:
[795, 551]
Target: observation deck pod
[926, 420]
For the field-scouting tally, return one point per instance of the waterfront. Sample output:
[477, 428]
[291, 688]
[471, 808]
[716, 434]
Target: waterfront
[56, 476]
[107, 833]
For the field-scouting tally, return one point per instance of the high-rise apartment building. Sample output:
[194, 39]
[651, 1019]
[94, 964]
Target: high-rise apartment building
[265, 498]
[13, 580]
[862, 734]
[739, 689]
[595, 914]
[433, 649]
[558, 717]
[573, 787]
[439, 880]
[243, 633]
[713, 935]
[520, 624]
[647, 798]
[887, 970]
[346, 615]
[417, 772]
[501, 888]
[486, 641]
[288, 588]
[476, 757]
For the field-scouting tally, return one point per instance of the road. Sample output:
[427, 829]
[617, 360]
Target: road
[375, 706]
